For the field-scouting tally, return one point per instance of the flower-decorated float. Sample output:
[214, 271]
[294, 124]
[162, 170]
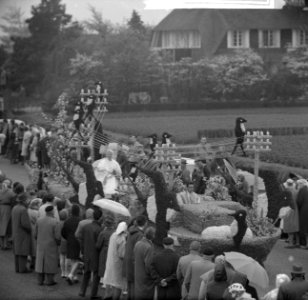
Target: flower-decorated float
[215, 219]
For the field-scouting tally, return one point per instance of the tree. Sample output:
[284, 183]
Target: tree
[13, 26]
[136, 24]
[28, 59]
[236, 72]
[296, 62]
[47, 21]
[96, 24]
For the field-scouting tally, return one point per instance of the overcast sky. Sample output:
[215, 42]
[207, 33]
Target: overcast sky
[119, 11]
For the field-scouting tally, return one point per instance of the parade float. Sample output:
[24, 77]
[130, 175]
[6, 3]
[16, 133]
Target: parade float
[151, 186]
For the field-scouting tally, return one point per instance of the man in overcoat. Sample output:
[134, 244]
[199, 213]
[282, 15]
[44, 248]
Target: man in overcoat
[302, 203]
[21, 233]
[135, 234]
[47, 233]
[163, 270]
[297, 289]
[143, 253]
[88, 239]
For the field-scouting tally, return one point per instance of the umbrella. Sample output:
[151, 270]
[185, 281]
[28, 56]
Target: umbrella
[112, 206]
[251, 268]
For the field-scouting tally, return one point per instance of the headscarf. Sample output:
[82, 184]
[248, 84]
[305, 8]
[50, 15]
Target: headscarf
[122, 227]
[35, 203]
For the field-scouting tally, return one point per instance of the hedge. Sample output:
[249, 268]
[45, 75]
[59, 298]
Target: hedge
[273, 175]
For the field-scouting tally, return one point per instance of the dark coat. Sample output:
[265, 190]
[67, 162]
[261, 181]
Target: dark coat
[47, 233]
[302, 202]
[216, 290]
[88, 239]
[102, 246]
[134, 235]
[21, 231]
[144, 283]
[164, 266]
[294, 290]
[68, 233]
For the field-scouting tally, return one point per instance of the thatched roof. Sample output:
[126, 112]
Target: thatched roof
[213, 24]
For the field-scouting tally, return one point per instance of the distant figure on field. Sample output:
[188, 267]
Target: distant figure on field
[240, 132]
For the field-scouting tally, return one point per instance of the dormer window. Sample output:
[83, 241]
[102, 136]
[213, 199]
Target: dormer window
[238, 39]
[269, 38]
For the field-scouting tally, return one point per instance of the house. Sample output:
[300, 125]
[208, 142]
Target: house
[199, 33]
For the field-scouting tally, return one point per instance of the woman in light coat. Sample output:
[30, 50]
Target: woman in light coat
[33, 215]
[113, 274]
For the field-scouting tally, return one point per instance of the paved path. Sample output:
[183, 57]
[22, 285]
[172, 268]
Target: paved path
[24, 286]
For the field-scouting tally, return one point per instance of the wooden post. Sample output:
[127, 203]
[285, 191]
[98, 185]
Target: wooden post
[257, 142]
[256, 176]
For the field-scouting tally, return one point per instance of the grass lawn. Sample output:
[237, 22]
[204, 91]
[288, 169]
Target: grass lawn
[184, 125]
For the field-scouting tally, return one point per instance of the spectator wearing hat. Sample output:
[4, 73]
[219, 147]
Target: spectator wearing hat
[48, 200]
[184, 173]
[302, 203]
[192, 280]
[185, 261]
[88, 239]
[295, 289]
[48, 238]
[114, 265]
[33, 216]
[163, 268]
[166, 138]
[88, 219]
[21, 233]
[6, 202]
[291, 220]
[280, 279]
[143, 251]
[103, 242]
[135, 234]
[72, 246]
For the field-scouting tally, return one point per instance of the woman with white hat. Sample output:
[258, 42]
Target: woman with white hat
[113, 274]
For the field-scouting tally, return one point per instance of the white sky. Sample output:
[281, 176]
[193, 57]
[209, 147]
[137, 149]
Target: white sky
[119, 11]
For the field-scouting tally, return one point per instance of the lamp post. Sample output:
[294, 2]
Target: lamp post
[257, 142]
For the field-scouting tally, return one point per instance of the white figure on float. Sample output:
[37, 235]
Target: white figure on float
[108, 171]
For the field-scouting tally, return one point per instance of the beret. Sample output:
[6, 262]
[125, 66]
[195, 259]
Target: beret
[168, 241]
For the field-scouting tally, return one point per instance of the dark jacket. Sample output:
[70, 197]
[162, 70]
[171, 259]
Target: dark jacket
[294, 290]
[164, 266]
[134, 235]
[68, 233]
[88, 239]
[302, 202]
[102, 246]
[144, 283]
[21, 231]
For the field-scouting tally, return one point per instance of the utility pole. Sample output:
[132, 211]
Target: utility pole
[257, 142]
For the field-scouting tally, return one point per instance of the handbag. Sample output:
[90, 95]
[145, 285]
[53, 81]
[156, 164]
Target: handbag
[284, 212]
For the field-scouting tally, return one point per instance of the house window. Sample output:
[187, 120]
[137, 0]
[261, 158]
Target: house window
[303, 37]
[269, 38]
[238, 39]
[299, 38]
[181, 40]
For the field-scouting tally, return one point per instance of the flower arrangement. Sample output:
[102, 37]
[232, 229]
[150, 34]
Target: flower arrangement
[216, 188]
[259, 225]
